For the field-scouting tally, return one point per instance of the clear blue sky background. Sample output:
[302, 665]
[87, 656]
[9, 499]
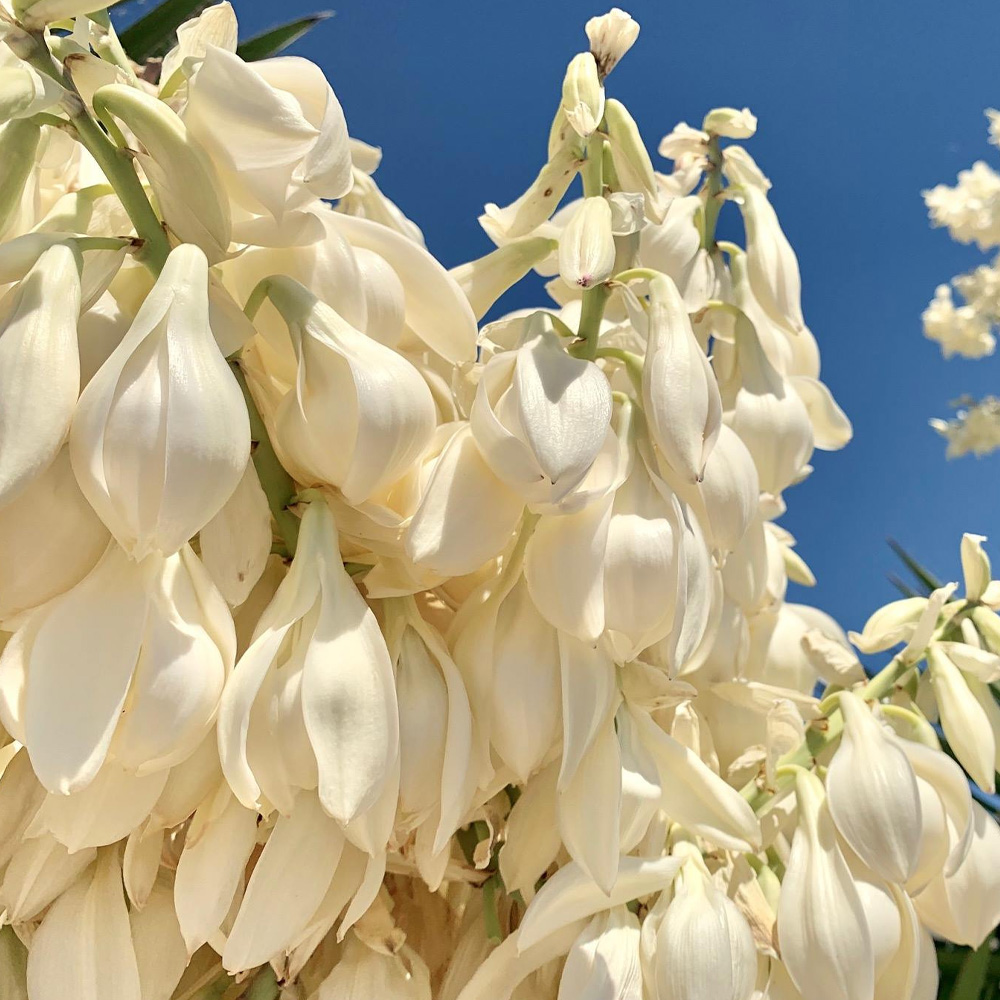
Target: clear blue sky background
[862, 105]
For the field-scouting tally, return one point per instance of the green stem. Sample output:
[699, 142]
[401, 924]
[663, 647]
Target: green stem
[632, 362]
[490, 914]
[821, 736]
[636, 274]
[116, 163]
[596, 298]
[274, 480]
[713, 188]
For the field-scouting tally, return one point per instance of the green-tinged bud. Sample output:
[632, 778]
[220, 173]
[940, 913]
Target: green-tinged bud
[611, 36]
[484, 280]
[192, 200]
[23, 92]
[36, 13]
[630, 157]
[18, 143]
[965, 722]
[729, 123]
[988, 626]
[975, 566]
[583, 95]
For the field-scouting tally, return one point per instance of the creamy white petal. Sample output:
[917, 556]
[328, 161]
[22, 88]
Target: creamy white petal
[570, 895]
[72, 708]
[83, 947]
[160, 953]
[564, 569]
[603, 963]
[216, 850]
[694, 795]
[288, 883]
[466, 514]
[437, 310]
[39, 368]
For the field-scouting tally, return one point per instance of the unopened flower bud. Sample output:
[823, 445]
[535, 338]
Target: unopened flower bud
[631, 158]
[975, 566]
[18, 144]
[611, 36]
[25, 92]
[587, 245]
[186, 184]
[583, 95]
[41, 12]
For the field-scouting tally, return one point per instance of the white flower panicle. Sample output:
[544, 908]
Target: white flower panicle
[347, 645]
[971, 213]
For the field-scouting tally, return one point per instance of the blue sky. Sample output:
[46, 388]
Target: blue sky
[861, 106]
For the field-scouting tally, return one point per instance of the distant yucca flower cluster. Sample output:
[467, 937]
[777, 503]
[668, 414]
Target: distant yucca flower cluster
[355, 652]
[971, 212]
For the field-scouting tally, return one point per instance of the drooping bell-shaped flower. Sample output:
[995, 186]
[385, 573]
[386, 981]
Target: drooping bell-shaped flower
[767, 414]
[964, 719]
[704, 947]
[823, 933]
[129, 664]
[312, 702]
[435, 729]
[39, 367]
[541, 417]
[274, 129]
[161, 437]
[679, 391]
[963, 906]
[873, 796]
[772, 266]
[359, 414]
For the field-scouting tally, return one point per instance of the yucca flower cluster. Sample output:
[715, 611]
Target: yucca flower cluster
[970, 211]
[352, 651]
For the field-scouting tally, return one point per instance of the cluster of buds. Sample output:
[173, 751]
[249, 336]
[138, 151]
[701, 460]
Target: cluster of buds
[971, 213]
[353, 651]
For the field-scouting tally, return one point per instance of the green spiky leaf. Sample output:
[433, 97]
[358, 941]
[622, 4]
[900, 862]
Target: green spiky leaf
[972, 975]
[926, 578]
[275, 40]
[154, 33]
[904, 588]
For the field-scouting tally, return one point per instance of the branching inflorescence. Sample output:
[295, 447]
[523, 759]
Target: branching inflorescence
[354, 651]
